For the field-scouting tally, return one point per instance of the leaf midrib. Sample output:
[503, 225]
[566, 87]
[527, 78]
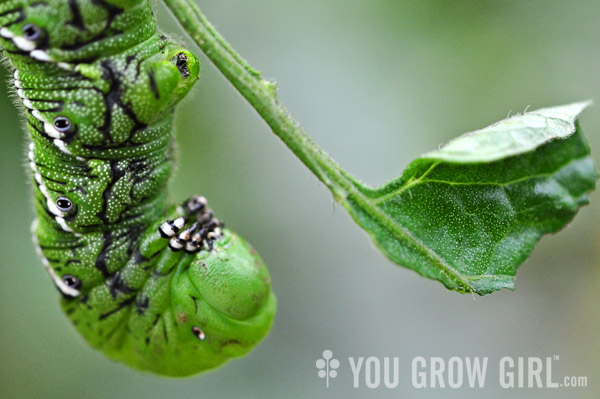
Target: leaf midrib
[421, 180]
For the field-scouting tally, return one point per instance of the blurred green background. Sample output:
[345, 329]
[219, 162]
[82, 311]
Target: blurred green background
[376, 83]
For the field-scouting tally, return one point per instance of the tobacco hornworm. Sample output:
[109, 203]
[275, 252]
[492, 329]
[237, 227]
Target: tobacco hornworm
[160, 287]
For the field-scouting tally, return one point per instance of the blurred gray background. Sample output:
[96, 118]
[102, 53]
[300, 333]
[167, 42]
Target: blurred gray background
[376, 83]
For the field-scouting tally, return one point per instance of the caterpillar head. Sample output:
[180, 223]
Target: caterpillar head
[167, 78]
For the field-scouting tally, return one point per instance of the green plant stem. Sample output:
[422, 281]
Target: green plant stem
[261, 94]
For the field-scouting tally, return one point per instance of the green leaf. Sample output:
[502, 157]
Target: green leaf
[469, 214]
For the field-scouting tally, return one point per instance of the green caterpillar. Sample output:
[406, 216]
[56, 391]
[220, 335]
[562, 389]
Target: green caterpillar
[159, 287]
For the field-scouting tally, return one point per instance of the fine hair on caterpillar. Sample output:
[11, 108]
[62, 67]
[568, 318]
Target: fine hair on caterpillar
[159, 286]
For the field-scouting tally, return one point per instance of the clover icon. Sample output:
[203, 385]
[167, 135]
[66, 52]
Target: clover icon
[327, 366]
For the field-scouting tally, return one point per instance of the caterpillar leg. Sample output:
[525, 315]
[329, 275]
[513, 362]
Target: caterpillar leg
[192, 227]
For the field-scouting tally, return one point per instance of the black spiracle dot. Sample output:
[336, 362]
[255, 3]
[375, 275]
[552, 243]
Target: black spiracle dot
[197, 331]
[71, 281]
[31, 32]
[62, 124]
[64, 204]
